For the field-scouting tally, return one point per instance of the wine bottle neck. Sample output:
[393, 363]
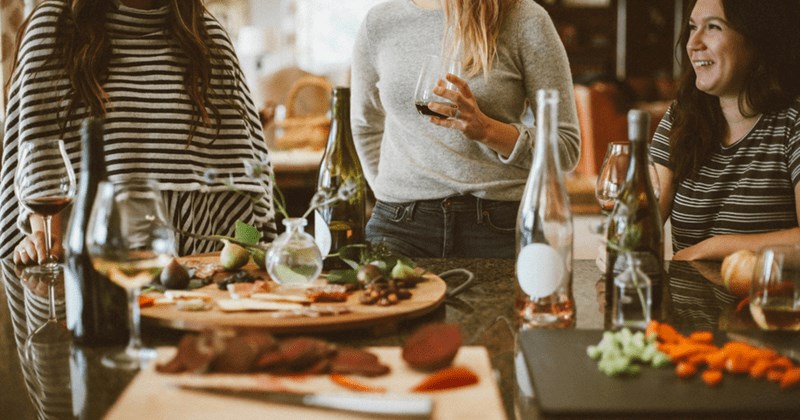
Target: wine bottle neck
[340, 136]
[547, 128]
[93, 154]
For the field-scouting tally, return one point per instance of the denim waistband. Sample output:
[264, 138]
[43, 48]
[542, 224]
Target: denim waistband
[466, 202]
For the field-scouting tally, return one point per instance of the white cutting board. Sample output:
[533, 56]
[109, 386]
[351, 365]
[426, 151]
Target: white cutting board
[154, 396]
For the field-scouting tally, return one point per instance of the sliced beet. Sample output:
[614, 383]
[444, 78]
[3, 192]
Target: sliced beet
[433, 346]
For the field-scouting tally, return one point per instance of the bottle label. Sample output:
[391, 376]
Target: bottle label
[322, 234]
[540, 270]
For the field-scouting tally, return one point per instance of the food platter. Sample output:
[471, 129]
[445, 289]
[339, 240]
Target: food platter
[158, 394]
[427, 296]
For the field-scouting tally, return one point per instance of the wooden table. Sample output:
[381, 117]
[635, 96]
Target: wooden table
[484, 311]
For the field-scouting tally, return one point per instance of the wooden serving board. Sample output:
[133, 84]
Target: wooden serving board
[153, 395]
[426, 297]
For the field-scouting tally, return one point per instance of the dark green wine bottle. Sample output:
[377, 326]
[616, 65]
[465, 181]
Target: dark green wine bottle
[635, 224]
[342, 222]
[97, 309]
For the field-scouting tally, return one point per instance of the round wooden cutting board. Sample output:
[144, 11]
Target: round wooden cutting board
[426, 297]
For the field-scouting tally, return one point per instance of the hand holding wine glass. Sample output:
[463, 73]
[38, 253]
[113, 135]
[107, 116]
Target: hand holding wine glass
[129, 242]
[434, 70]
[44, 183]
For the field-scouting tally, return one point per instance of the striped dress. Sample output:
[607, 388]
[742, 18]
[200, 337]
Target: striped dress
[147, 126]
[747, 187]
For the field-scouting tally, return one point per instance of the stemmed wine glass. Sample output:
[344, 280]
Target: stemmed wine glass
[129, 242]
[51, 330]
[612, 176]
[44, 183]
[46, 350]
[434, 69]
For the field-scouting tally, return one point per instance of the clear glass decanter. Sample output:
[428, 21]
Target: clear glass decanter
[294, 258]
[632, 298]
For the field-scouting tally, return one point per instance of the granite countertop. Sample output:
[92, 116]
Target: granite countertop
[484, 311]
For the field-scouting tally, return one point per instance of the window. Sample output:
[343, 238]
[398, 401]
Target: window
[326, 31]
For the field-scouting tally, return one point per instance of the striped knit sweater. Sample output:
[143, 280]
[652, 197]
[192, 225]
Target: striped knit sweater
[147, 125]
[747, 187]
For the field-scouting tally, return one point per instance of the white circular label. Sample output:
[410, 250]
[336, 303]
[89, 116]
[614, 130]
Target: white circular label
[322, 234]
[540, 270]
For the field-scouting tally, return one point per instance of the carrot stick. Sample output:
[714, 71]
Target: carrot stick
[685, 370]
[652, 328]
[716, 360]
[701, 337]
[712, 377]
[451, 377]
[791, 378]
[355, 385]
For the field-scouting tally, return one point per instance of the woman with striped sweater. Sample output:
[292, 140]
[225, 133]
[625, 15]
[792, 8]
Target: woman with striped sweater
[728, 150]
[164, 76]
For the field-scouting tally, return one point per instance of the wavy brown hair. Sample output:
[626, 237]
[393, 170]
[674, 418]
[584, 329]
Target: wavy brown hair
[472, 27]
[771, 83]
[85, 53]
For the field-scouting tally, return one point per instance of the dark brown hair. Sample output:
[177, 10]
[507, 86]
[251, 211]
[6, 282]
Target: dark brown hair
[770, 31]
[85, 53]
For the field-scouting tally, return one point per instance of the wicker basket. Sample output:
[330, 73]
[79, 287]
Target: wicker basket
[304, 131]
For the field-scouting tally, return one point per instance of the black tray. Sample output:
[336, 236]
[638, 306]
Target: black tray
[566, 381]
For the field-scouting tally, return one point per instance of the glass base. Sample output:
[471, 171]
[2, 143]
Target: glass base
[46, 268]
[129, 359]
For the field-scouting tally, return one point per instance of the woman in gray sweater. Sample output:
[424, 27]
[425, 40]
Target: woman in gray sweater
[450, 187]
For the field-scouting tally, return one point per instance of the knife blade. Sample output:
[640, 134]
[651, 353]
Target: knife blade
[784, 344]
[418, 407]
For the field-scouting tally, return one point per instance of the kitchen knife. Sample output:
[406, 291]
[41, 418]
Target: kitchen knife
[784, 343]
[418, 407]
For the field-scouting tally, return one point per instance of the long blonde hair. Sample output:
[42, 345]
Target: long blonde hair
[471, 30]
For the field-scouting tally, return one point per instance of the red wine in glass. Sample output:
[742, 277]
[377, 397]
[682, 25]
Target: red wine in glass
[44, 184]
[48, 206]
[434, 69]
[424, 109]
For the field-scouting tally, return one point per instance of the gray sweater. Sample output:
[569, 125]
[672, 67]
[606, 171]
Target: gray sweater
[405, 157]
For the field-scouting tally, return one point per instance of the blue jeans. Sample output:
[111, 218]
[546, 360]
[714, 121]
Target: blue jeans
[454, 227]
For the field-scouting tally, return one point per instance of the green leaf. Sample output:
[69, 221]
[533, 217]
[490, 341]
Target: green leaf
[247, 233]
[352, 255]
[342, 277]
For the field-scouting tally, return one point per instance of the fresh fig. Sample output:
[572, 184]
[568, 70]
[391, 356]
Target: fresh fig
[233, 256]
[259, 257]
[403, 272]
[174, 275]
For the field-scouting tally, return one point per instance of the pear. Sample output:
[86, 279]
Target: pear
[233, 256]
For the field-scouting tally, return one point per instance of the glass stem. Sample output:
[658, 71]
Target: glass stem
[135, 341]
[48, 259]
[52, 289]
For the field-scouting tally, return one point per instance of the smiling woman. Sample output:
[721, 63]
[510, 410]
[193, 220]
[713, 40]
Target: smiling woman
[728, 150]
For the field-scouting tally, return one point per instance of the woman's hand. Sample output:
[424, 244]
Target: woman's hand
[467, 117]
[31, 249]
